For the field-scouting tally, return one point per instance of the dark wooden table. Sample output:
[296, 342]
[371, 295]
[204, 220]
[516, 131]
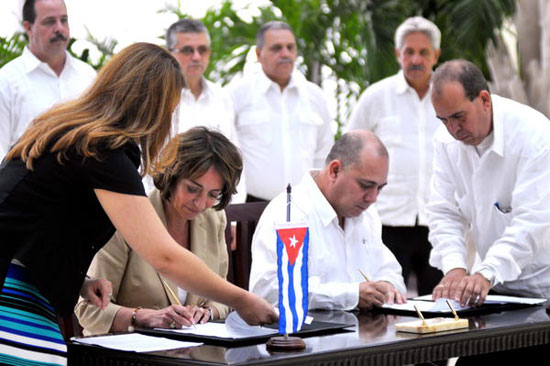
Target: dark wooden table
[373, 342]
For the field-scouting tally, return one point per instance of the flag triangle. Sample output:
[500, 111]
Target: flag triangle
[293, 239]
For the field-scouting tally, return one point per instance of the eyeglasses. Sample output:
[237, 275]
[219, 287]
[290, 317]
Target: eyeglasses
[189, 50]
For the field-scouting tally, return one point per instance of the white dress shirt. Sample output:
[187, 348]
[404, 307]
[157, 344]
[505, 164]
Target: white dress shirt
[406, 124]
[502, 197]
[214, 109]
[336, 255]
[282, 134]
[29, 87]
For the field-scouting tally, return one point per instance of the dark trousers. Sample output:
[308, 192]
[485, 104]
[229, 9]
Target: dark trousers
[411, 247]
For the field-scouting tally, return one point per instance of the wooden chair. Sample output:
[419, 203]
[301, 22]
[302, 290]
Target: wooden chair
[246, 215]
[69, 326]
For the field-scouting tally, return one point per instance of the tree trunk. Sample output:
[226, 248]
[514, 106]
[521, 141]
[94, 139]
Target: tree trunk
[530, 84]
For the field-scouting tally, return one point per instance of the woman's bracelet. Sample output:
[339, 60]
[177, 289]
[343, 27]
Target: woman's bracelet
[133, 322]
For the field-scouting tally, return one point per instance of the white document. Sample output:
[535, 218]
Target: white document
[135, 342]
[234, 328]
[439, 306]
[499, 299]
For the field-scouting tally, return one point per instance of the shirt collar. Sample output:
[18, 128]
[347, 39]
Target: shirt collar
[205, 92]
[32, 62]
[265, 83]
[498, 132]
[402, 86]
[324, 209]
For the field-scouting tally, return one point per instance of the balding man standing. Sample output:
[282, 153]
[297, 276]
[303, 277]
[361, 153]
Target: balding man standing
[44, 75]
[492, 179]
[344, 231]
[282, 123]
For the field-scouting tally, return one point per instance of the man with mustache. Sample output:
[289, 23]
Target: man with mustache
[345, 243]
[398, 110]
[282, 121]
[44, 75]
[491, 182]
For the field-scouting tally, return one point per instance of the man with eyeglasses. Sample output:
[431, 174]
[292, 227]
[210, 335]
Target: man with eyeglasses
[203, 103]
[491, 182]
[282, 122]
[44, 75]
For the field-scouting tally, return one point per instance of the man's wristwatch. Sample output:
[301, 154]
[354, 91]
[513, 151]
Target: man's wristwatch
[488, 275]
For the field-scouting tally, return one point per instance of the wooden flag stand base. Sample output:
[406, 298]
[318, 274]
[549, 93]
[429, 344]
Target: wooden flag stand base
[285, 343]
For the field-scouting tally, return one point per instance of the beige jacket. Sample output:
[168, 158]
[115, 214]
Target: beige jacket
[137, 283]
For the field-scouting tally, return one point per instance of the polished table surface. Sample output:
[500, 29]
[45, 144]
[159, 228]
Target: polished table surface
[372, 342]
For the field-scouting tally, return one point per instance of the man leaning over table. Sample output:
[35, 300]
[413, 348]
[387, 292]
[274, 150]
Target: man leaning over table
[344, 231]
[491, 179]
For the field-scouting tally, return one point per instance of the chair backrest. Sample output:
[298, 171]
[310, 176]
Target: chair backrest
[246, 215]
[69, 326]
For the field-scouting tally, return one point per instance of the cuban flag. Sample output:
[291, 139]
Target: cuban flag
[292, 253]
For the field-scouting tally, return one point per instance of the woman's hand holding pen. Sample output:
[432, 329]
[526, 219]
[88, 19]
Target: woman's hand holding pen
[97, 292]
[173, 316]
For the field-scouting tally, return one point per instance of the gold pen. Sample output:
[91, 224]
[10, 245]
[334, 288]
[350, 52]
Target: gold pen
[420, 315]
[364, 275]
[452, 309]
[174, 296]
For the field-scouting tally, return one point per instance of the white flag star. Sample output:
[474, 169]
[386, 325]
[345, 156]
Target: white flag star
[293, 241]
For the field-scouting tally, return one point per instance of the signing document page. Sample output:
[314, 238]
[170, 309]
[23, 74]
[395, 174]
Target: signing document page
[426, 304]
[135, 342]
[233, 328]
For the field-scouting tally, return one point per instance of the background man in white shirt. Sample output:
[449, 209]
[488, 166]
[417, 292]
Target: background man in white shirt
[283, 123]
[491, 178]
[203, 103]
[344, 231]
[399, 111]
[44, 75]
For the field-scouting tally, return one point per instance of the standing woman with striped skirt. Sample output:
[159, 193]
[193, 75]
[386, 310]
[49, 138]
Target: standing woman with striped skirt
[67, 184]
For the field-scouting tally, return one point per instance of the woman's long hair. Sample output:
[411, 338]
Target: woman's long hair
[132, 99]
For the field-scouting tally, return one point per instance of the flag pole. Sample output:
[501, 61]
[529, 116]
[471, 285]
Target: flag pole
[288, 200]
[286, 343]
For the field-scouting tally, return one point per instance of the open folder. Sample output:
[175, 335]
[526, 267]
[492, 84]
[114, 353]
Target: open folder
[430, 308]
[235, 332]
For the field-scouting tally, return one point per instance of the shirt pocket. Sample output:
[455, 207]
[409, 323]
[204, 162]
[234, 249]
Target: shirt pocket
[309, 125]
[502, 214]
[389, 131]
[254, 128]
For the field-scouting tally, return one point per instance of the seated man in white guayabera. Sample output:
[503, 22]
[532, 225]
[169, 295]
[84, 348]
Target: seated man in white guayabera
[345, 244]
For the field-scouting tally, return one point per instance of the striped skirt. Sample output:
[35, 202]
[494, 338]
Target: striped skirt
[29, 334]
